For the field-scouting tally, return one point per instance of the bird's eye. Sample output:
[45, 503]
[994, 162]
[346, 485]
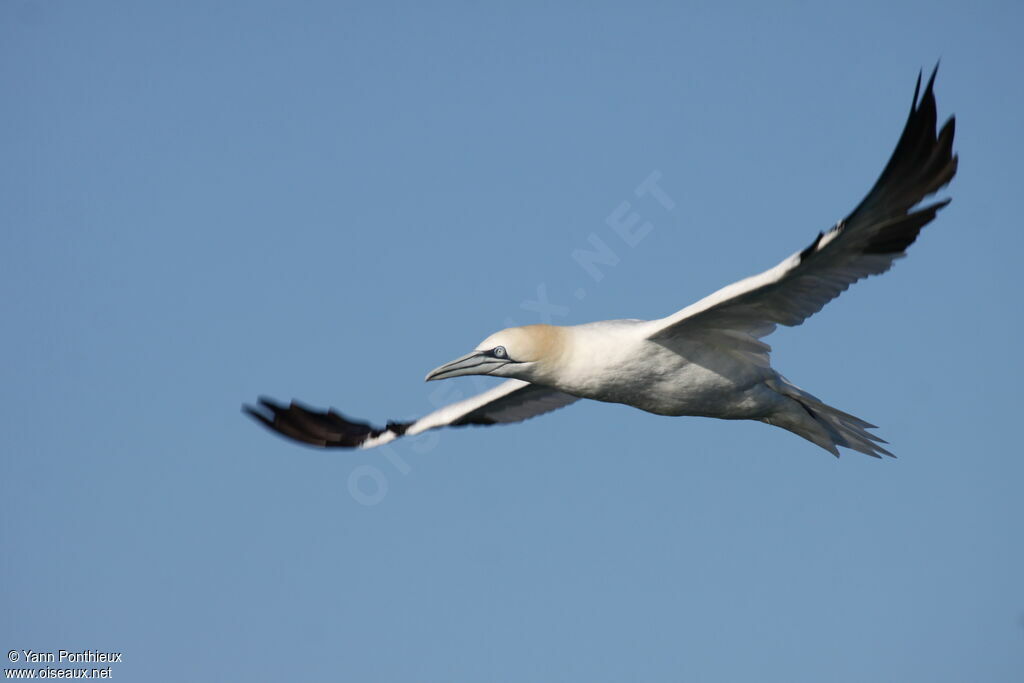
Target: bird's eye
[499, 352]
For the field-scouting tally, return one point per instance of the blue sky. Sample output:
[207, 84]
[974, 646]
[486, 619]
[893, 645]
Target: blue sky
[204, 203]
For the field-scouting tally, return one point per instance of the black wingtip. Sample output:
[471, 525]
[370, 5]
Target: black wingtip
[919, 97]
[931, 82]
[270, 403]
[921, 164]
[322, 429]
[256, 415]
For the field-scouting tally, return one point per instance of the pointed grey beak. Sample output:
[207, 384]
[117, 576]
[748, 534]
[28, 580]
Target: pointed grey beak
[476, 363]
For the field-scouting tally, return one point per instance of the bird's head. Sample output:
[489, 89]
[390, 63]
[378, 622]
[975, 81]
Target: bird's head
[520, 352]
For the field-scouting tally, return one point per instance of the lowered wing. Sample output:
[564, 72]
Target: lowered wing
[510, 401]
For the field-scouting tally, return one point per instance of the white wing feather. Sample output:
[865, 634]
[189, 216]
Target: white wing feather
[867, 242]
[510, 401]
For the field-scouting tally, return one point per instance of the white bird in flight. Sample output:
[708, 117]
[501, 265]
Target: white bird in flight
[707, 359]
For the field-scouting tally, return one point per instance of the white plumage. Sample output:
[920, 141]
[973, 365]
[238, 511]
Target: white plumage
[707, 359]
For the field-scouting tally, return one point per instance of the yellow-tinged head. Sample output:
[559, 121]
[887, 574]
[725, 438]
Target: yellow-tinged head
[522, 352]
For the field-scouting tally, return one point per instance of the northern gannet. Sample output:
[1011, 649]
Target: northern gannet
[707, 359]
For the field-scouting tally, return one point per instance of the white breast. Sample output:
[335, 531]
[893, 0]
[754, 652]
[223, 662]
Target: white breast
[613, 361]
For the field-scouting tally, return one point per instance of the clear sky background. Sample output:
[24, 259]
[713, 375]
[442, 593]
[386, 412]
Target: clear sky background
[205, 202]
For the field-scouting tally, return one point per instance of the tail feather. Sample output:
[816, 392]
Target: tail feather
[807, 416]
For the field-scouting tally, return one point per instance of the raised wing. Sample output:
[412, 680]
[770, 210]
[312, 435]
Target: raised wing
[866, 242]
[510, 401]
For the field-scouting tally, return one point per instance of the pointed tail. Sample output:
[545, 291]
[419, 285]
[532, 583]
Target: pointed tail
[828, 427]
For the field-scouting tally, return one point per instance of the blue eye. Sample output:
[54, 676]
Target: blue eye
[499, 352]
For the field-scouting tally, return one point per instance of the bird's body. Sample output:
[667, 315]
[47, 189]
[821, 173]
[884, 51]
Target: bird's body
[707, 359]
[615, 361]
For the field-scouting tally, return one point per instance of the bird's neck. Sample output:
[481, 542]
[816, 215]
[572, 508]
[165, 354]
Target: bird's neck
[549, 351]
[587, 358]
